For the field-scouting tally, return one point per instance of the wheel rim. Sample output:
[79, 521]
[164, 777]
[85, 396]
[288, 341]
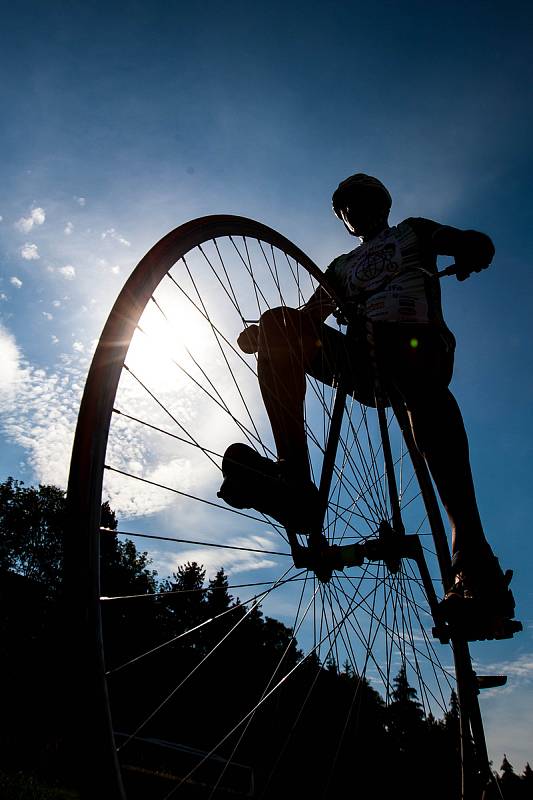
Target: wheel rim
[167, 432]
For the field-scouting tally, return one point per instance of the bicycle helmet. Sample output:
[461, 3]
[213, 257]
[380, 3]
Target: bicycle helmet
[357, 185]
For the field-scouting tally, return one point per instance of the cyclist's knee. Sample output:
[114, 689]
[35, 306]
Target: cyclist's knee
[279, 317]
[426, 398]
[279, 326]
[288, 335]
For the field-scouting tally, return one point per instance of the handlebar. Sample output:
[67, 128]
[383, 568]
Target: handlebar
[451, 270]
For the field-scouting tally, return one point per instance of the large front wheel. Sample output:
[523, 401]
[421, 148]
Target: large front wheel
[219, 696]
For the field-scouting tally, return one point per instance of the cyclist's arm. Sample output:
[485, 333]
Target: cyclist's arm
[319, 306]
[472, 250]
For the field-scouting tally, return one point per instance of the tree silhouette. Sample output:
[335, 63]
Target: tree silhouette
[317, 728]
[218, 597]
[123, 569]
[510, 783]
[32, 527]
[31, 531]
[527, 776]
[405, 715]
[451, 716]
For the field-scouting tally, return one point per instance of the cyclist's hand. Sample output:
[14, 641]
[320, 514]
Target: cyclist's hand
[248, 340]
[475, 254]
[464, 270]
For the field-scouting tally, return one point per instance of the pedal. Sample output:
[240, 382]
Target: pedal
[497, 631]
[442, 633]
[490, 681]
[469, 619]
[508, 628]
[494, 628]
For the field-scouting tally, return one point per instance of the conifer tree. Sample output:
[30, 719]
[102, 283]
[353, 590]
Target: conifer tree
[527, 783]
[347, 669]
[506, 767]
[405, 717]
[510, 782]
[218, 597]
[190, 604]
[451, 717]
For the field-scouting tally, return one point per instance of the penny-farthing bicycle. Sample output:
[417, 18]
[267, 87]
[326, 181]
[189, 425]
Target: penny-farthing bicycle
[167, 391]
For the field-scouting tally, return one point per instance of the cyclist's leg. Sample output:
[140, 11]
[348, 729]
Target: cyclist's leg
[291, 346]
[286, 344]
[423, 373]
[440, 434]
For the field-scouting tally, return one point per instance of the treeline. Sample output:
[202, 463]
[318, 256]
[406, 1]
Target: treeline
[322, 732]
[512, 786]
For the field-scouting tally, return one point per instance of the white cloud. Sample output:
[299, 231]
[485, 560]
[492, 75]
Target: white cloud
[517, 669]
[42, 416]
[24, 224]
[29, 252]
[47, 315]
[68, 272]
[115, 270]
[38, 409]
[54, 339]
[37, 217]
[9, 364]
[16, 282]
[111, 233]
[233, 561]
[3, 296]
[508, 711]
[69, 227]
[80, 200]
[56, 303]
[1, 218]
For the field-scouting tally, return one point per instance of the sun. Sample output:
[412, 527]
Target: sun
[172, 337]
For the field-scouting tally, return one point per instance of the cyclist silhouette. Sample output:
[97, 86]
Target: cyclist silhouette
[392, 273]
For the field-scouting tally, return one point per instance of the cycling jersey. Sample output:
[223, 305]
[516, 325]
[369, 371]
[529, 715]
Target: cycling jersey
[391, 275]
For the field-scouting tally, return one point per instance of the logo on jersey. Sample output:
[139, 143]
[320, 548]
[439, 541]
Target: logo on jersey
[371, 263]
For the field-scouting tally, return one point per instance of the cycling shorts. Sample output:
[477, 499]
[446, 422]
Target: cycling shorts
[415, 358]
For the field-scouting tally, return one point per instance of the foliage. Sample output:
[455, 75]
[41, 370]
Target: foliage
[308, 713]
[510, 783]
[31, 531]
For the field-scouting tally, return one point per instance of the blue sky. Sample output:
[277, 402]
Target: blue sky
[122, 121]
